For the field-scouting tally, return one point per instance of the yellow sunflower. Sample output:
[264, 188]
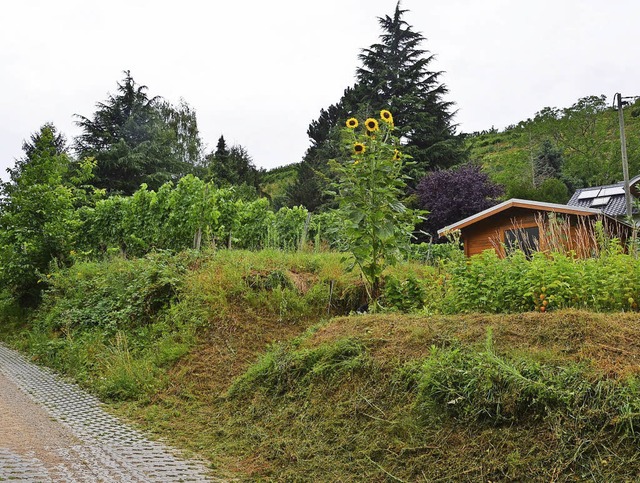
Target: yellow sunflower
[352, 123]
[396, 155]
[372, 125]
[359, 148]
[386, 116]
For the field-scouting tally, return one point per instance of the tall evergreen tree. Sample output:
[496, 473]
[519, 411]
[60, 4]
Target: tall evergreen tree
[136, 139]
[217, 163]
[324, 133]
[394, 75]
[547, 163]
[231, 166]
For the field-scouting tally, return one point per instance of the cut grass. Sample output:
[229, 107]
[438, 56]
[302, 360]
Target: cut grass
[368, 424]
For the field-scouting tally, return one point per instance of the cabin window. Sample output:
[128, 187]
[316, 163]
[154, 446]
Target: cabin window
[525, 239]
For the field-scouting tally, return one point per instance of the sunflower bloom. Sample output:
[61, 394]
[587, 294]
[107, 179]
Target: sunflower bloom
[396, 155]
[371, 124]
[359, 148]
[386, 117]
[352, 123]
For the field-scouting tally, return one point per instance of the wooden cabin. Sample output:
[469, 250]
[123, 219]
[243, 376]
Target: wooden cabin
[534, 225]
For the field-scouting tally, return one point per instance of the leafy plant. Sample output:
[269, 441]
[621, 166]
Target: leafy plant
[39, 222]
[407, 295]
[370, 187]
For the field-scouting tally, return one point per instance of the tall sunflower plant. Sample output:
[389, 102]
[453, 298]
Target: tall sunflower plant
[369, 187]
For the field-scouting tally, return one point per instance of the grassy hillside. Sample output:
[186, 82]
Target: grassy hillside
[586, 134]
[233, 355]
[274, 183]
[398, 398]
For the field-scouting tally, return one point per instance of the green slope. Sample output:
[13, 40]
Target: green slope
[586, 133]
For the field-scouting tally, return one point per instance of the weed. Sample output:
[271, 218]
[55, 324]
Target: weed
[123, 376]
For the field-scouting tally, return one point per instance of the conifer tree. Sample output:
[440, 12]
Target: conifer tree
[547, 163]
[394, 75]
[231, 166]
[313, 172]
[136, 139]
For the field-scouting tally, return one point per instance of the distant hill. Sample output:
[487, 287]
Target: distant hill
[274, 182]
[582, 140]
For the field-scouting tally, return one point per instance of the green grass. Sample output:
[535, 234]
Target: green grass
[392, 397]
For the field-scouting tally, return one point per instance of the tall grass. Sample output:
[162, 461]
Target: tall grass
[547, 281]
[118, 325]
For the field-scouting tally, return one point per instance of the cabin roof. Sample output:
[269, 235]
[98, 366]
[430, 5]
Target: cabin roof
[608, 198]
[518, 203]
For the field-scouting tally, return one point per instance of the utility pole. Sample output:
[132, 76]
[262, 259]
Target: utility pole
[617, 99]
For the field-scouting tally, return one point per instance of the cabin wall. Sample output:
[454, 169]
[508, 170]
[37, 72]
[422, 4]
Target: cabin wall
[490, 233]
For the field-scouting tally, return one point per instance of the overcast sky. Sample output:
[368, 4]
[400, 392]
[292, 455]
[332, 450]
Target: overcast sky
[259, 71]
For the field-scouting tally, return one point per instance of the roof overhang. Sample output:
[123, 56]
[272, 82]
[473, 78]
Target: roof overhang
[517, 203]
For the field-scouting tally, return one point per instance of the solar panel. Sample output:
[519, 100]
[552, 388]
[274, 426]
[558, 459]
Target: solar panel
[588, 194]
[618, 190]
[600, 201]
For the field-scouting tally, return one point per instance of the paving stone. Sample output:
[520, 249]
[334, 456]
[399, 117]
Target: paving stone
[110, 451]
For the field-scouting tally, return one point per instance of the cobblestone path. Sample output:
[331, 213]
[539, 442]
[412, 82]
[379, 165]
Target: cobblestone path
[52, 431]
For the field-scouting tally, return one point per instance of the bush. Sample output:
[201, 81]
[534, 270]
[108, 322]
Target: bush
[114, 295]
[433, 253]
[487, 283]
[407, 296]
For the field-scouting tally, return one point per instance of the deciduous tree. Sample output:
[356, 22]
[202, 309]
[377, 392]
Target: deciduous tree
[454, 194]
[38, 216]
[136, 139]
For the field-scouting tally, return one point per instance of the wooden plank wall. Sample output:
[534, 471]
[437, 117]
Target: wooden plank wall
[489, 233]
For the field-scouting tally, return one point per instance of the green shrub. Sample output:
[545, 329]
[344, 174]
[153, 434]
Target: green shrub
[432, 253]
[113, 295]
[487, 283]
[326, 230]
[407, 295]
[287, 229]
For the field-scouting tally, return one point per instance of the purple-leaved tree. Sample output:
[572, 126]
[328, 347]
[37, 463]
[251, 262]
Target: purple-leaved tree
[453, 194]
